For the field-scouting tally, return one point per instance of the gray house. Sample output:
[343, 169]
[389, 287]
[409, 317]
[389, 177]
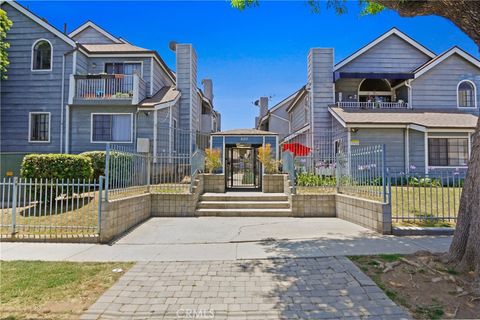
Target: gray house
[70, 93]
[393, 91]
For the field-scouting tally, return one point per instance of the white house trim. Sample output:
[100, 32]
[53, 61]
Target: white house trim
[30, 126]
[337, 118]
[442, 57]
[40, 21]
[393, 31]
[296, 133]
[474, 94]
[95, 27]
[33, 56]
[111, 113]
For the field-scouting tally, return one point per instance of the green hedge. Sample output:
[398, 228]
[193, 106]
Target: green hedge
[56, 166]
[121, 164]
[98, 162]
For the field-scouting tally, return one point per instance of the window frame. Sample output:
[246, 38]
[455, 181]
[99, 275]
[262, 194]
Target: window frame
[33, 56]
[111, 114]
[474, 95]
[428, 149]
[125, 62]
[30, 126]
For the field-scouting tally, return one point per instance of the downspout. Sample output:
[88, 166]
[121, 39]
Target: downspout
[407, 149]
[409, 86]
[62, 97]
[67, 113]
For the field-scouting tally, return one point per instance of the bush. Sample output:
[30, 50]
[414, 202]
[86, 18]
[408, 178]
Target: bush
[213, 159]
[98, 162]
[311, 180]
[56, 166]
[265, 157]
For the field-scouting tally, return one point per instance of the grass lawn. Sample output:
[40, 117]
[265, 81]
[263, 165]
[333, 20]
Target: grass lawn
[53, 290]
[420, 205]
[411, 206]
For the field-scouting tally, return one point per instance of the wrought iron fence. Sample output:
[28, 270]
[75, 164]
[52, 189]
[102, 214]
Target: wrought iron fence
[50, 208]
[127, 172]
[425, 199]
[362, 172]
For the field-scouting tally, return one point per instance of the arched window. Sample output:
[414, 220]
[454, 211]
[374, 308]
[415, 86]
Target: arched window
[374, 90]
[466, 94]
[42, 55]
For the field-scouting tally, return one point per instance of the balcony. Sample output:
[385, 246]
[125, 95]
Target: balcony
[120, 89]
[372, 105]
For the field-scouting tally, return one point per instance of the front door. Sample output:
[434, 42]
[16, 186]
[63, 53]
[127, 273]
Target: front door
[242, 168]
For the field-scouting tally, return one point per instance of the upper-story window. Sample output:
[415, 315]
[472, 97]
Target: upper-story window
[42, 55]
[466, 94]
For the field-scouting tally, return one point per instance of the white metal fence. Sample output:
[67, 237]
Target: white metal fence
[372, 105]
[50, 208]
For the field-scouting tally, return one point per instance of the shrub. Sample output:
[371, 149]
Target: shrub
[98, 162]
[265, 157]
[212, 159]
[311, 180]
[56, 166]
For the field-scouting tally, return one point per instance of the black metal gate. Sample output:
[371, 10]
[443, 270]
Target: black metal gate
[242, 168]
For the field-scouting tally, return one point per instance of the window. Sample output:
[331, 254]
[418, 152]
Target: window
[466, 94]
[39, 127]
[445, 152]
[112, 127]
[123, 68]
[337, 147]
[42, 55]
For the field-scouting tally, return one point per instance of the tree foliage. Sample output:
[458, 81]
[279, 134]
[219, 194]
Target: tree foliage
[5, 25]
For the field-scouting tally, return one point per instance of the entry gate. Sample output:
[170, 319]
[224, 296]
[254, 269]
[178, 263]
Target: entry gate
[242, 168]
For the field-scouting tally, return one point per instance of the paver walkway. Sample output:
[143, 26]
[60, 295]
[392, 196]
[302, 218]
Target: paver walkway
[299, 288]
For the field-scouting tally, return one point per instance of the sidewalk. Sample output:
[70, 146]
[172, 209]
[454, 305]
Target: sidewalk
[214, 238]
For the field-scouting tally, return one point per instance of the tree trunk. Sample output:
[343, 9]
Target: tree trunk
[465, 248]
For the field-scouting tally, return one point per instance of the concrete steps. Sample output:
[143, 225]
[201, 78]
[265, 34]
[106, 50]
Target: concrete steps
[244, 204]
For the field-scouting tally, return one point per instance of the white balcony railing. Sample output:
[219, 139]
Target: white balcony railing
[108, 87]
[372, 105]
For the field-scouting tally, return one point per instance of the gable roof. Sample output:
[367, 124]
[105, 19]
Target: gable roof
[90, 24]
[40, 21]
[114, 48]
[441, 57]
[300, 94]
[393, 31]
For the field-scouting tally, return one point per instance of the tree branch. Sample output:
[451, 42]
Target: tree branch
[465, 14]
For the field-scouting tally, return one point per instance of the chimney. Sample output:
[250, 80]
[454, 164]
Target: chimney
[186, 69]
[320, 83]
[262, 103]
[208, 89]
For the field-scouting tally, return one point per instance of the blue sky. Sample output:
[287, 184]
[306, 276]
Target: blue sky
[260, 51]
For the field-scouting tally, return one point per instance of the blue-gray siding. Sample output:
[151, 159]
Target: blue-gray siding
[437, 88]
[391, 55]
[92, 36]
[394, 139]
[25, 91]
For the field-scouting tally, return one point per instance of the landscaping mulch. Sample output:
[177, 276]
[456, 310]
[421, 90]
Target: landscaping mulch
[425, 286]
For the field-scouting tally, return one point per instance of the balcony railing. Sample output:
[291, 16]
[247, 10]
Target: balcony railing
[107, 87]
[372, 105]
